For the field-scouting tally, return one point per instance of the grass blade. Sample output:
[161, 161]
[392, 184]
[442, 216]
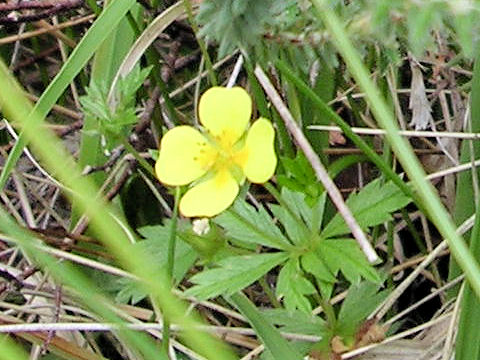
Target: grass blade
[274, 342]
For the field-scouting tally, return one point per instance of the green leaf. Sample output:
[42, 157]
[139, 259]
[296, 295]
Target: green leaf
[233, 274]
[314, 265]
[300, 177]
[296, 321]
[346, 256]
[294, 228]
[361, 300]
[114, 120]
[129, 291]
[156, 245]
[293, 287]
[371, 206]
[311, 212]
[237, 24]
[273, 340]
[244, 223]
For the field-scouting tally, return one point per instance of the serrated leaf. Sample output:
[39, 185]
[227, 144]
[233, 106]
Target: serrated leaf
[245, 223]
[293, 287]
[371, 206]
[280, 348]
[130, 291]
[296, 321]
[361, 300]
[314, 265]
[311, 214]
[346, 256]
[156, 245]
[300, 177]
[296, 231]
[234, 23]
[233, 274]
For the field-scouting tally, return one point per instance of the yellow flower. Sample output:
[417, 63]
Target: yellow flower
[217, 160]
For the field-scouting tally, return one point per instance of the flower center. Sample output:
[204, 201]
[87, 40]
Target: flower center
[223, 152]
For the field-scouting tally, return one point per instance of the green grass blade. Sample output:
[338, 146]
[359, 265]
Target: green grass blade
[274, 342]
[85, 49]
[10, 350]
[468, 337]
[470, 150]
[425, 191]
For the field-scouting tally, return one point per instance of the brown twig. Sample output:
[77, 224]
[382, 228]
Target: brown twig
[48, 8]
[42, 55]
[44, 30]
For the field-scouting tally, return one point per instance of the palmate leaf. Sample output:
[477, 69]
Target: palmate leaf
[293, 287]
[233, 274]
[307, 219]
[346, 256]
[244, 223]
[310, 211]
[371, 206]
[295, 230]
[237, 24]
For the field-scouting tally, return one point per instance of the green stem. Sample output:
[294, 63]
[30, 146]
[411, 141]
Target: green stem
[413, 231]
[329, 313]
[201, 43]
[143, 163]
[390, 253]
[424, 189]
[268, 291]
[170, 265]
[173, 235]
[92, 4]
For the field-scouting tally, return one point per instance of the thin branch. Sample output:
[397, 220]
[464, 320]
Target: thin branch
[73, 326]
[48, 8]
[44, 30]
[410, 133]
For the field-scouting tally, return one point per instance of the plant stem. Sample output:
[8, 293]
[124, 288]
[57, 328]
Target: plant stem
[143, 163]
[268, 291]
[329, 313]
[170, 265]
[201, 43]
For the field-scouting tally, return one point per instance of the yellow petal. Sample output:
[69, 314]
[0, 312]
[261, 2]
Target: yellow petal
[178, 161]
[210, 197]
[261, 160]
[225, 112]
